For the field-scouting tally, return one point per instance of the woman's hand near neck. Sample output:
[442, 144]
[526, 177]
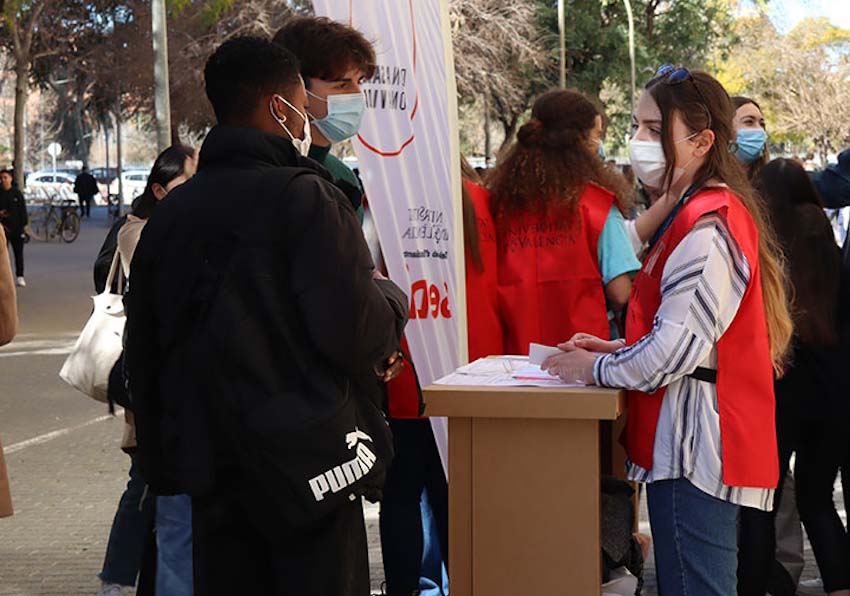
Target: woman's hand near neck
[681, 186]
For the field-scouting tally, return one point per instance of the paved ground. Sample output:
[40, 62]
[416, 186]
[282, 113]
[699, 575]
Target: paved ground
[66, 469]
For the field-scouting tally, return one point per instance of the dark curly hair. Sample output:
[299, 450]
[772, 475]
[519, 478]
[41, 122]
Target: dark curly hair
[551, 162]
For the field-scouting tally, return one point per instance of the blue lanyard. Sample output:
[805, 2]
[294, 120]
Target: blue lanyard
[669, 221]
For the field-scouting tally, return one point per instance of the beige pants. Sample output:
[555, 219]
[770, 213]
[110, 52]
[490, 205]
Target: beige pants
[5, 495]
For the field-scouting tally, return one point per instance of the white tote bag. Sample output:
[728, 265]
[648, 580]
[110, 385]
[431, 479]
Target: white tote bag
[99, 345]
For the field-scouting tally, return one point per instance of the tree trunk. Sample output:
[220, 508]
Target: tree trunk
[105, 125]
[175, 135]
[119, 157]
[21, 96]
[81, 149]
[488, 142]
[509, 126]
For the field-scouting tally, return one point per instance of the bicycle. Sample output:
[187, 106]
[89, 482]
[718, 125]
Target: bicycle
[56, 219]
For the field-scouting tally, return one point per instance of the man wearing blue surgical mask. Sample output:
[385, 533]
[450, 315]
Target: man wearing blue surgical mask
[334, 59]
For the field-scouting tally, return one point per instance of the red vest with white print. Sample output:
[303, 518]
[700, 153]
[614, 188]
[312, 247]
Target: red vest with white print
[745, 395]
[550, 284]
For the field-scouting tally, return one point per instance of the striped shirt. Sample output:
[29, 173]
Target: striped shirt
[702, 287]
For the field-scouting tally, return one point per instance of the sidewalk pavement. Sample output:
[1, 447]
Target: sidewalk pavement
[65, 491]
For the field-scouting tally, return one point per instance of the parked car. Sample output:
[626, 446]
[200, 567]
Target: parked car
[104, 178]
[134, 184]
[41, 185]
[104, 175]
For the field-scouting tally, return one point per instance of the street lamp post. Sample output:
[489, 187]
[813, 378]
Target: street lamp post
[631, 49]
[120, 155]
[162, 102]
[562, 33]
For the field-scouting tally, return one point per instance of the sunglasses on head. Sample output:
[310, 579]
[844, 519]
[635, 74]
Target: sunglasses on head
[670, 75]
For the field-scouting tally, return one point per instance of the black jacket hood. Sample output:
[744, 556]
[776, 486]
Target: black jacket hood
[249, 148]
[233, 147]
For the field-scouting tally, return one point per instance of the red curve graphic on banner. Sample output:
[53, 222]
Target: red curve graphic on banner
[406, 143]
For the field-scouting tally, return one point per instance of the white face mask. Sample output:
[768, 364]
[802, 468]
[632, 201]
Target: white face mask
[649, 164]
[302, 146]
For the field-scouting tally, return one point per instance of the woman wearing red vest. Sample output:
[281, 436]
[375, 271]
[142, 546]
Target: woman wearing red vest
[563, 247]
[707, 327]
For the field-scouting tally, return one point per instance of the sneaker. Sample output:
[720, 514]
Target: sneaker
[21, 282]
[811, 587]
[110, 590]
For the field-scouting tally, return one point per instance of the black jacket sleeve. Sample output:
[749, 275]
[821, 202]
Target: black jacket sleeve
[355, 321]
[23, 216]
[833, 186]
[104, 257]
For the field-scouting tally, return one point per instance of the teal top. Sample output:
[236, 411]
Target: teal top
[616, 255]
[334, 165]
[337, 168]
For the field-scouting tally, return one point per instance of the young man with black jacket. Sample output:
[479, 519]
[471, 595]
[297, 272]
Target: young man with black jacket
[254, 310]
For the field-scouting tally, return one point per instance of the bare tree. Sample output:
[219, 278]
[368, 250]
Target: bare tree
[499, 55]
[22, 20]
[814, 100]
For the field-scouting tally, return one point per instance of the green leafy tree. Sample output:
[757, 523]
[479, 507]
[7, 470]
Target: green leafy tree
[684, 32]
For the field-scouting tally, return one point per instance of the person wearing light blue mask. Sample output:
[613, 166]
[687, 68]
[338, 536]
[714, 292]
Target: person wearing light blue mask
[344, 115]
[335, 59]
[751, 149]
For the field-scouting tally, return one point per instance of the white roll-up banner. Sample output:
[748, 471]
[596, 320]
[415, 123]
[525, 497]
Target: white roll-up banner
[409, 159]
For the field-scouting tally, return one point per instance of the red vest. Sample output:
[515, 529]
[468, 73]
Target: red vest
[483, 324]
[550, 286]
[482, 295]
[744, 369]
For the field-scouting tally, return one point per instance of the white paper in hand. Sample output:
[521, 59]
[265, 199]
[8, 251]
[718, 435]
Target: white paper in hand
[537, 353]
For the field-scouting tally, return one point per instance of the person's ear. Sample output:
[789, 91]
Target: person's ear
[158, 191]
[278, 108]
[704, 142]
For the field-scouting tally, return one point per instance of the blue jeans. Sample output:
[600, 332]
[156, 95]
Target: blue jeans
[174, 546]
[130, 528]
[433, 579]
[416, 467]
[696, 540]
